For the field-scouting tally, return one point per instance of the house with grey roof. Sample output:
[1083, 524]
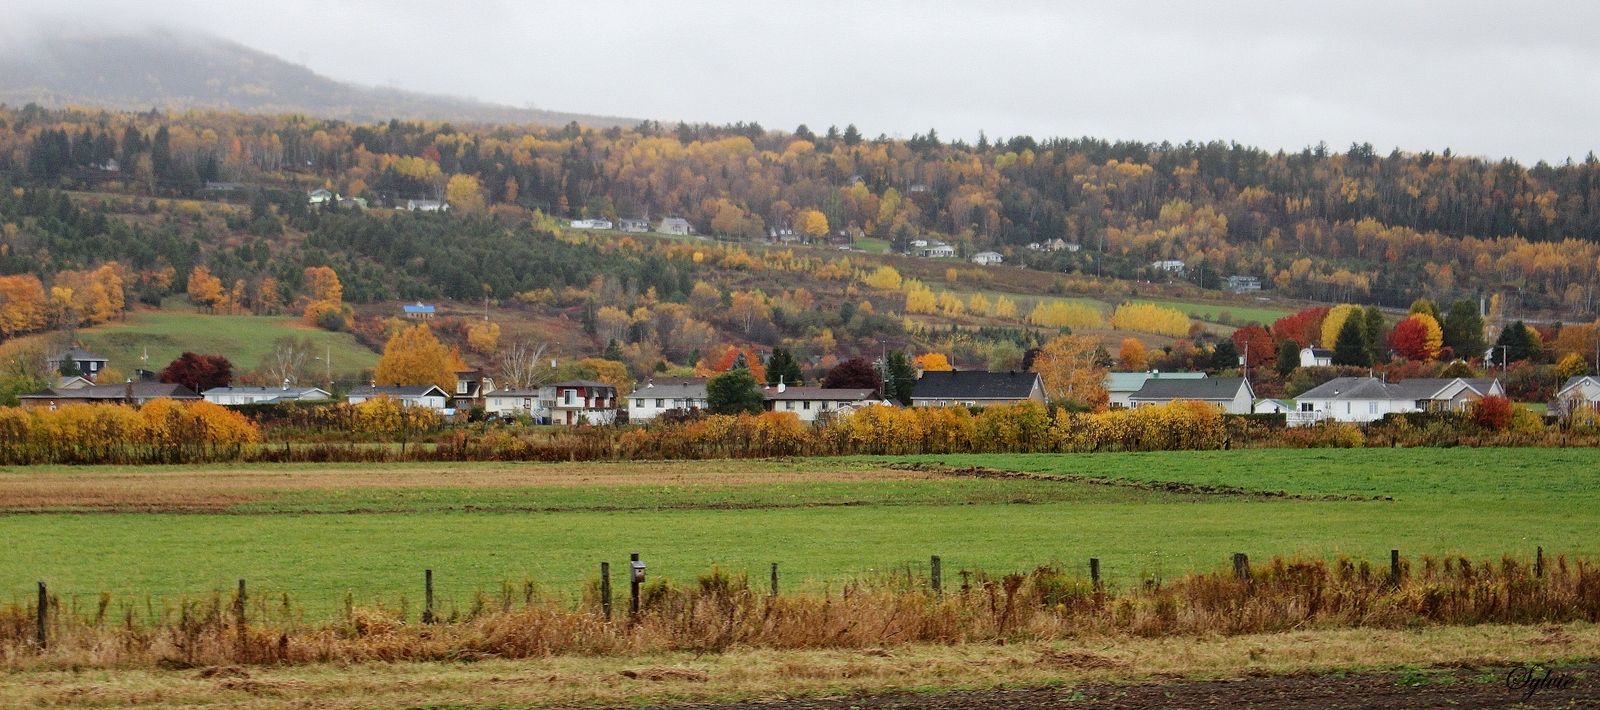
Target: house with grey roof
[675, 225]
[537, 402]
[263, 395]
[136, 393]
[1233, 394]
[1578, 393]
[1366, 399]
[430, 396]
[655, 397]
[89, 364]
[812, 403]
[1121, 385]
[976, 388]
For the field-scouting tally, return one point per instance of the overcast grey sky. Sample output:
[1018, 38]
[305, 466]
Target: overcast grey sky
[1497, 79]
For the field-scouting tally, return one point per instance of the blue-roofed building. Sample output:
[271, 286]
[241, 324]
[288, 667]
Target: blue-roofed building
[419, 311]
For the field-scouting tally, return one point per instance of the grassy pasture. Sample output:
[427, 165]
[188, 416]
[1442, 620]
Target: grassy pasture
[315, 532]
[1241, 315]
[244, 340]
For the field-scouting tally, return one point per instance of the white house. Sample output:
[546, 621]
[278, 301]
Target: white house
[633, 225]
[809, 403]
[1174, 265]
[1316, 357]
[1275, 406]
[320, 196]
[1121, 385]
[674, 225]
[263, 395]
[427, 206]
[1240, 284]
[985, 258]
[1367, 399]
[579, 401]
[591, 224]
[1581, 392]
[536, 403]
[1233, 394]
[649, 401]
[430, 396]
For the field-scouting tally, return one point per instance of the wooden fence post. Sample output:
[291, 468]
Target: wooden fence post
[774, 579]
[427, 595]
[605, 588]
[1538, 561]
[238, 616]
[44, 614]
[1241, 565]
[1394, 568]
[936, 574]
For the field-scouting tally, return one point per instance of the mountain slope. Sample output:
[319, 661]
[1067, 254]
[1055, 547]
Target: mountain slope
[167, 70]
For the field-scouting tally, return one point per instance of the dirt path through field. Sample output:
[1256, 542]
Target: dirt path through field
[200, 489]
[1462, 689]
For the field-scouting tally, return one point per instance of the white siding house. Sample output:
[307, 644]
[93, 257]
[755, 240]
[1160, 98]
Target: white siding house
[430, 396]
[985, 258]
[536, 403]
[263, 395]
[649, 401]
[1232, 394]
[809, 403]
[1360, 400]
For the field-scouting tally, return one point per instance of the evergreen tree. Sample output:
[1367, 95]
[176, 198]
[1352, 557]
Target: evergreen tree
[1515, 344]
[161, 157]
[613, 351]
[733, 392]
[1423, 305]
[1288, 358]
[1225, 356]
[1463, 330]
[1351, 346]
[783, 368]
[902, 378]
[1372, 328]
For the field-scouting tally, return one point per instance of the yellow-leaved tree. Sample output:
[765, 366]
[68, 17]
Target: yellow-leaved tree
[812, 223]
[1150, 318]
[206, 290]
[1335, 320]
[886, 278]
[415, 357]
[1005, 308]
[933, 362]
[1069, 372]
[324, 300]
[464, 194]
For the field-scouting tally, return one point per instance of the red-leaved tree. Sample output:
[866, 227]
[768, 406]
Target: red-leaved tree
[1492, 412]
[1304, 328]
[854, 373]
[1258, 342]
[199, 372]
[1410, 339]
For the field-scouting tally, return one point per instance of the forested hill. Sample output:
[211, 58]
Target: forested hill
[1355, 225]
[176, 71]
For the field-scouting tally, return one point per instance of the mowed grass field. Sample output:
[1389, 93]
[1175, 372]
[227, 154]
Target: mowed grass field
[244, 340]
[318, 532]
[1239, 315]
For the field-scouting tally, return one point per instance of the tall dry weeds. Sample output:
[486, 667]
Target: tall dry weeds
[722, 611]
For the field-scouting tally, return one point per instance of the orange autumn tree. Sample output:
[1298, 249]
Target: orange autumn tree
[724, 357]
[206, 290]
[1132, 354]
[932, 362]
[415, 357]
[23, 305]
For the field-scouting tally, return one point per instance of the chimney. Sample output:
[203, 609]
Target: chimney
[127, 391]
[781, 386]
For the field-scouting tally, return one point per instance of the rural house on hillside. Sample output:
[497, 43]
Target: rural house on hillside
[125, 393]
[1121, 385]
[675, 225]
[809, 403]
[976, 388]
[1579, 393]
[665, 395]
[1233, 394]
[88, 363]
[1366, 399]
[430, 396]
[263, 395]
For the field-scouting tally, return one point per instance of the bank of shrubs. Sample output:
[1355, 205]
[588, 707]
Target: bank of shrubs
[383, 430]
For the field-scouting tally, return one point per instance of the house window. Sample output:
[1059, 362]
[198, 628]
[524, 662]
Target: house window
[1307, 407]
[527, 404]
[661, 403]
[806, 404]
[638, 403]
[461, 387]
[1346, 407]
[788, 405]
[1372, 408]
[569, 397]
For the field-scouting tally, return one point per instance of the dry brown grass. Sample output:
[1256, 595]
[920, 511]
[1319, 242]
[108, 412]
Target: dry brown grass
[212, 488]
[744, 673]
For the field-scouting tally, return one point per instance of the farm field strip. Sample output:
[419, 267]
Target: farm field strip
[1239, 315]
[245, 340]
[827, 522]
[1445, 655]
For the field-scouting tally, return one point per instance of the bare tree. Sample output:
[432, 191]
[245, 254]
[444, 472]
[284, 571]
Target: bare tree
[523, 366]
[288, 360]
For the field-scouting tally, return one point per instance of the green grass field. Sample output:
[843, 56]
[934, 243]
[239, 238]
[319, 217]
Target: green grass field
[244, 340]
[375, 542]
[1239, 315]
